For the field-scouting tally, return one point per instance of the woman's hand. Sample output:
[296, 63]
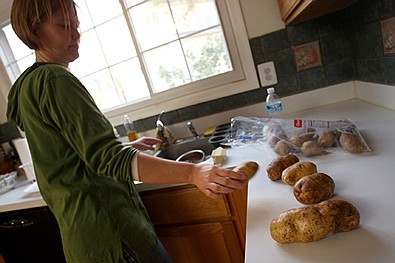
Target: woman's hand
[215, 181]
[144, 143]
[212, 180]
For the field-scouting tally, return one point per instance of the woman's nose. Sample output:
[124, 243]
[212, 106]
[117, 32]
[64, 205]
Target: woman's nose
[76, 33]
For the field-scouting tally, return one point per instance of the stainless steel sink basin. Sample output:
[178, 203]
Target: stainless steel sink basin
[174, 151]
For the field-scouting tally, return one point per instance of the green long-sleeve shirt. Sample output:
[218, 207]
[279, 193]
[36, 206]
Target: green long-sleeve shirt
[83, 172]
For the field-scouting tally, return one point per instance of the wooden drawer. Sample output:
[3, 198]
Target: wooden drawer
[183, 204]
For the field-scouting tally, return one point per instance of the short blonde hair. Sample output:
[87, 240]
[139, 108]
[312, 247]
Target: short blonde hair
[27, 15]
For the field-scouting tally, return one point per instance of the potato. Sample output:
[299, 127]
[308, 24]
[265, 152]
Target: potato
[293, 173]
[314, 188]
[275, 168]
[314, 222]
[327, 138]
[298, 140]
[311, 148]
[275, 133]
[248, 168]
[282, 147]
[346, 217]
[351, 143]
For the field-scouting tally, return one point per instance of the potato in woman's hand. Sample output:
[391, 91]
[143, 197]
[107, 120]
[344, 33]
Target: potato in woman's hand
[248, 168]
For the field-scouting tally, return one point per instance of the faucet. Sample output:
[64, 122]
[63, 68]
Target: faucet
[192, 130]
[163, 132]
[159, 123]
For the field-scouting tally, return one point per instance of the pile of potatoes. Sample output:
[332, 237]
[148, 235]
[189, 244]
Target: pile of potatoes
[313, 142]
[322, 216]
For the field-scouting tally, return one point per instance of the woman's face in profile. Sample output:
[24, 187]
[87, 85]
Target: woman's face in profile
[59, 38]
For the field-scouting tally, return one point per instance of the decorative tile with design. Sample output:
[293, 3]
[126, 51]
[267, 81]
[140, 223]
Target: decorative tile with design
[388, 35]
[307, 56]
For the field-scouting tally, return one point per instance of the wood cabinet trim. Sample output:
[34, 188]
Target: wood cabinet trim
[294, 11]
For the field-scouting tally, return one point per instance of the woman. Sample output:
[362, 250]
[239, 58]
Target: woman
[85, 175]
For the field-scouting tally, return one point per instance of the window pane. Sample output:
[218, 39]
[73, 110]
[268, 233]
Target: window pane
[116, 41]
[13, 71]
[101, 86]
[84, 15]
[206, 54]
[19, 49]
[26, 62]
[191, 16]
[130, 3]
[102, 11]
[130, 81]
[167, 67]
[179, 42]
[91, 55]
[153, 24]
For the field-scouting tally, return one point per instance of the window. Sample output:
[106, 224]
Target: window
[142, 57]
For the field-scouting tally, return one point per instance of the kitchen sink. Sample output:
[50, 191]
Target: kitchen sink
[183, 146]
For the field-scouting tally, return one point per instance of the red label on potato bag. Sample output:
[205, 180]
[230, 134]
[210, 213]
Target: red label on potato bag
[298, 123]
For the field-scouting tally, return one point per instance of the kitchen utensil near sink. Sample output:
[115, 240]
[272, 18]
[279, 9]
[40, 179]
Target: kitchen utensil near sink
[193, 156]
[182, 147]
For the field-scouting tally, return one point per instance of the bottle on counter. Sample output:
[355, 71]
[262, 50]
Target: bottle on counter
[273, 103]
[129, 127]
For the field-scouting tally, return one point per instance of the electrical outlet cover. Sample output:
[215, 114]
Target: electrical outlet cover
[267, 74]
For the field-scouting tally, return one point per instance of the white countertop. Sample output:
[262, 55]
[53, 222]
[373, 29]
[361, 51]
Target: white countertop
[366, 180]
[27, 195]
[23, 196]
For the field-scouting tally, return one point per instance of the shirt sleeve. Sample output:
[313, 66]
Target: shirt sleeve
[135, 168]
[71, 109]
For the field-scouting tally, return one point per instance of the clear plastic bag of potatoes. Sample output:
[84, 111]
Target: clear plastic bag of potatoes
[308, 137]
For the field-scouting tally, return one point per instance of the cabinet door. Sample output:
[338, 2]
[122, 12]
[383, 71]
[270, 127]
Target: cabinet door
[287, 6]
[181, 205]
[293, 11]
[202, 243]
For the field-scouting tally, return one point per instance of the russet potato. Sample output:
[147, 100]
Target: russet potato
[314, 188]
[311, 148]
[248, 168]
[314, 222]
[282, 147]
[351, 143]
[275, 168]
[293, 173]
[327, 138]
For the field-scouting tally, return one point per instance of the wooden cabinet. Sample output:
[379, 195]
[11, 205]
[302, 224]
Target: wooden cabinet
[198, 229]
[293, 11]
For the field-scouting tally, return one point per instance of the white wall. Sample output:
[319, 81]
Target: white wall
[5, 7]
[261, 17]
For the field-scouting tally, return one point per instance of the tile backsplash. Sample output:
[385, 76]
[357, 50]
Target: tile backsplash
[351, 48]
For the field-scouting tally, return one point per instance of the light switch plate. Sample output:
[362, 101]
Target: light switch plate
[267, 74]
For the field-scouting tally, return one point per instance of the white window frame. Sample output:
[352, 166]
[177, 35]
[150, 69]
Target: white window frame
[243, 77]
